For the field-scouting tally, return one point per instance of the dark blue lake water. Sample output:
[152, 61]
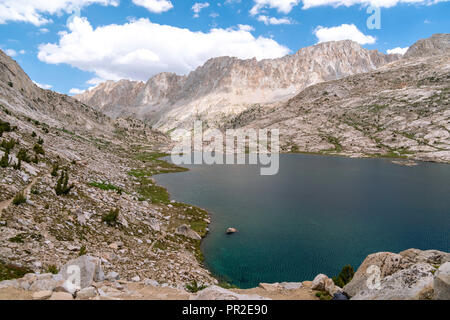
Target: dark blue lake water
[317, 215]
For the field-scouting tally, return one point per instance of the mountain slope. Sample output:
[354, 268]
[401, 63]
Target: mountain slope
[110, 206]
[225, 86]
[401, 110]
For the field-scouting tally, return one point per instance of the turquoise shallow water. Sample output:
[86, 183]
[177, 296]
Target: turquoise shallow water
[317, 215]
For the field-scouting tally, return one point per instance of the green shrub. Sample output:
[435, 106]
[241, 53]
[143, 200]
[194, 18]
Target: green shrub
[55, 169]
[8, 145]
[35, 159]
[19, 199]
[111, 217]
[4, 127]
[40, 141]
[62, 185]
[52, 269]
[10, 84]
[33, 134]
[10, 271]
[4, 161]
[193, 287]
[23, 155]
[344, 277]
[38, 149]
[106, 187]
[19, 238]
[18, 165]
[83, 251]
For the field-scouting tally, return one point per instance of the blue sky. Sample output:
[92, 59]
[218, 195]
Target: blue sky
[72, 45]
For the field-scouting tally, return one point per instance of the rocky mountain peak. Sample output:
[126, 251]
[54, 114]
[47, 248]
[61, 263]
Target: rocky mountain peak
[437, 44]
[226, 85]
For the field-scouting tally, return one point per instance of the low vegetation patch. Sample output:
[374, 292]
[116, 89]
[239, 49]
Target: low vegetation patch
[111, 217]
[4, 127]
[106, 186]
[193, 287]
[62, 186]
[19, 199]
[10, 271]
[344, 277]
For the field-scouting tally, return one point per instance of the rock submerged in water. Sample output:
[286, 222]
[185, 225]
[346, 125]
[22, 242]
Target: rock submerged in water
[231, 230]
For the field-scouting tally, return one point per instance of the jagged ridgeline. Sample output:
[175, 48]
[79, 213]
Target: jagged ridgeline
[331, 98]
[76, 176]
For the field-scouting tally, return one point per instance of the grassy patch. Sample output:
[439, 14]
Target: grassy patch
[19, 199]
[193, 287]
[106, 187]
[10, 271]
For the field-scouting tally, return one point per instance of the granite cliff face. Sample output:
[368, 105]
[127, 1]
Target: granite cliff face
[225, 86]
[437, 44]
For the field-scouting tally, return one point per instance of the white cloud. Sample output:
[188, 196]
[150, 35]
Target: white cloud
[43, 86]
[75, 91]
[114, 52]
[156, 6]
[398, 50]
[197, 7]
[36, 11]
[11, 52]
[284, 6]
[379, 3]
[342, 32]
[271, 20]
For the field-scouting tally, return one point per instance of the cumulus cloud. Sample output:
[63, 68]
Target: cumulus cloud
[378, 3]
[398, 50]
[284, 6]
[37, 11]
[114, 52]
[42, 85]
[342, 32]
[11, 52]
[75, 91]
[197, 7]
[156, 6]
[275, 21]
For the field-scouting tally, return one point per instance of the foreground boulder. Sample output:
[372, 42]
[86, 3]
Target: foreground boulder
[186, 231]
[413, 283]
[218, 293]
[408, 275]
[322, 283]
[81, 273]
[387, 263]
[442, 282]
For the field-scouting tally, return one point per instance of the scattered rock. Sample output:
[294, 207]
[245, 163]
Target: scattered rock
[231, 230]
[42, 295]
[136, 279]
[387, 262]
[442, 282]
[112, 276]
[186, 231]
[217, 293]
[61, 296]
[271, 287]
[413, 283]
[81, 273]
[291, 285]
[86, 293]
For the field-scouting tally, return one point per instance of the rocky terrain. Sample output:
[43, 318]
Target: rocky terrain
[401, 110]
[410, 275]
[77, 188]
[75, 182]
[343, 99]
[226, 86]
